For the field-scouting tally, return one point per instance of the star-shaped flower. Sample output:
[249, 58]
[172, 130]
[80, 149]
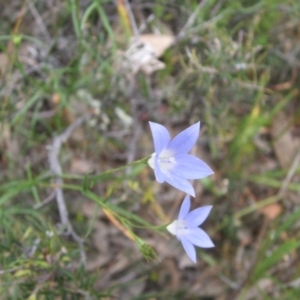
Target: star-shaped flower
[171, 161]
[186, 228]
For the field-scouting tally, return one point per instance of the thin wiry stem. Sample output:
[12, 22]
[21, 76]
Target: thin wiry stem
[53, 152]
[111, 171]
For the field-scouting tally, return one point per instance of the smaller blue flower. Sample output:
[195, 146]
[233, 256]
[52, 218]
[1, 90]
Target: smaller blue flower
[186, 228]
[171, 161]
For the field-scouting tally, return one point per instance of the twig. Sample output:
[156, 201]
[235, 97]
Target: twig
[46, 201]
[56, 170]
[10, 270]
[39, 20]
[44, 278]
[295, 283]
[229, 282]
[143, 26]
[290, 59]
[132, 146]
[289, 175]
[29, 252]
[86, 294]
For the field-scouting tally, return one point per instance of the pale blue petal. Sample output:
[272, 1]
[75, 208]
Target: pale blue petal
[180, 183]
[197, 216]
[189, 249]
[185, 208]
[190, 167]
[198, 237]
[160, 135]
[185, 140]
[160, 177]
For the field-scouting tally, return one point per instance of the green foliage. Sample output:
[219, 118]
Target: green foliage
[233, 69]
[276, 256]
[146, 250]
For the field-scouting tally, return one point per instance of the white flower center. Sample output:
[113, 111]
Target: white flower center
[177, 227]
[166, 160]
[151, 160]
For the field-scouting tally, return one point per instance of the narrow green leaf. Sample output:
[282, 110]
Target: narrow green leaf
[274, 258]
[26, 107]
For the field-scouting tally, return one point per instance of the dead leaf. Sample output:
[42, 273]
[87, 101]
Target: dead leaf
[88, 208]
[159, 43]
[97, 261]
[81, 166]
[272, 211]
[118, 224]
[78, 135]
[264, 284]
[4, 63]
[131, 291]
[288, 84]
[169, 275]
[285, 145]
[143, 53]
[126, 119]
[55, 98]
[245, 237]
[211, 288]
[100, 238]
[5, 134]
[141, 57]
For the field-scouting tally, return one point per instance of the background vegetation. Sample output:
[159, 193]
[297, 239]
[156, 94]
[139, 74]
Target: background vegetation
[234, 65]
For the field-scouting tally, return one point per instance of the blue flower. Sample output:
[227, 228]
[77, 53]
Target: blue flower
[186, 228]
[171, 161]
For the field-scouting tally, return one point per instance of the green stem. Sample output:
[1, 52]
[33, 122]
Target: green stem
[91, 179]
[136, 162]
[111, 171]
